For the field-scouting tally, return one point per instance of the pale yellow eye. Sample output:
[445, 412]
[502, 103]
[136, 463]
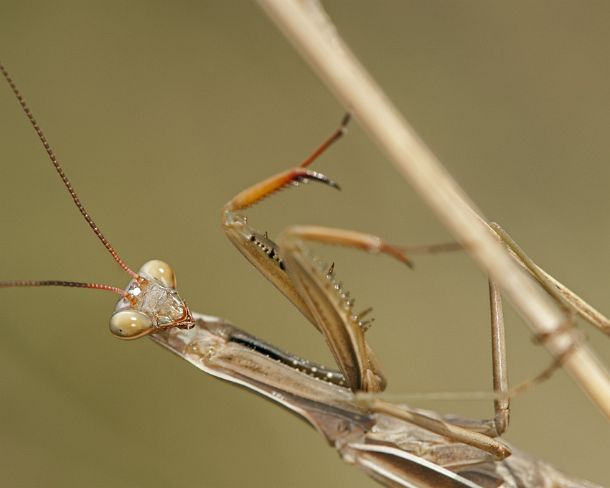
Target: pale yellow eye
[130, 324]
[160, 271]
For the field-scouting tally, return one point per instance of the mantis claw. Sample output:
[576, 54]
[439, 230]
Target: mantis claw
[397, 253]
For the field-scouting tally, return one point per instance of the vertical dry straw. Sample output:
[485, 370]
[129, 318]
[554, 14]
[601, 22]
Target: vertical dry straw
[307, 26]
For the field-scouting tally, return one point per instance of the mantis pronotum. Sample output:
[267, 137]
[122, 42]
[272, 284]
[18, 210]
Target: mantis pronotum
[396, 445]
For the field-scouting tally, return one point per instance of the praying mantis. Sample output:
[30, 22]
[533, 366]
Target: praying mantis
[377, 436]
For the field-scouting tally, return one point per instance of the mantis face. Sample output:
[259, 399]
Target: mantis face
[150, 304]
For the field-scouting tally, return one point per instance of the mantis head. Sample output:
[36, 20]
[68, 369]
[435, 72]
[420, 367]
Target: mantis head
[150, 304]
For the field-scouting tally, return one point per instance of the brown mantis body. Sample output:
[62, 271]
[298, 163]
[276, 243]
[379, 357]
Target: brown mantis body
[397, 446]
[390, 450]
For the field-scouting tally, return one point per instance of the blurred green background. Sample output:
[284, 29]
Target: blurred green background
[161, 111]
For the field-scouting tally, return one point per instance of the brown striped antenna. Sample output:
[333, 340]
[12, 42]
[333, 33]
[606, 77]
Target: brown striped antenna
[77, 202]
[73, 284]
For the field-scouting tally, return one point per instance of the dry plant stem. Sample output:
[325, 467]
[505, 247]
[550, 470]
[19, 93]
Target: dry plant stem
[307, 26]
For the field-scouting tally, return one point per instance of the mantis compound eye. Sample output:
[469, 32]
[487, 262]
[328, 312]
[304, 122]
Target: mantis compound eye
[161, 271]
[130, 324]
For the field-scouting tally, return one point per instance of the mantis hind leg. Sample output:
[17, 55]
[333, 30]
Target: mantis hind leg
[565, 297]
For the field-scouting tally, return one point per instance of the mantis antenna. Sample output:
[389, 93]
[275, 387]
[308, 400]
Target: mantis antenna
[73, 194]
[150, 302]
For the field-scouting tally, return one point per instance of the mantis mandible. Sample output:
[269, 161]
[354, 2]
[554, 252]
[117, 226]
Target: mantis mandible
[396, 445]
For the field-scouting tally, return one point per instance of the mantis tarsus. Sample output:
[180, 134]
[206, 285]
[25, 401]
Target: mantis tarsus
[395, 445]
